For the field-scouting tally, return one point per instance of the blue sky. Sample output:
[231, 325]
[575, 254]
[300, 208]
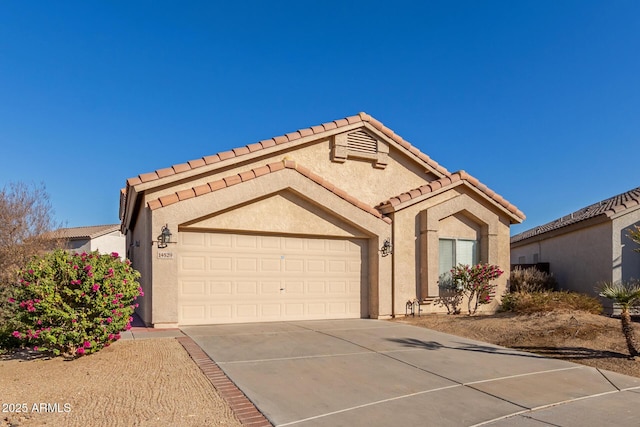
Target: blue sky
[540, 100]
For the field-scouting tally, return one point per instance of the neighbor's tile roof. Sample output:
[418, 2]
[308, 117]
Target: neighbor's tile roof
[607, 207]
[255, 173]
[88, 232]
[447, 181]
[289, 137]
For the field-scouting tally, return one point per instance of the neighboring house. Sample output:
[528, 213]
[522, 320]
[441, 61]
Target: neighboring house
[102, 238]
[341, 220]
[587, 246]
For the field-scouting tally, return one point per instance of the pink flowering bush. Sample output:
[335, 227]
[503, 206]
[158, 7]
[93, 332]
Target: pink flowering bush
[75, 304]
[472, 282]
[475, 283]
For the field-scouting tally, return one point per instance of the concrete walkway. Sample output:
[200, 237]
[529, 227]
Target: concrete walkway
[376, 373]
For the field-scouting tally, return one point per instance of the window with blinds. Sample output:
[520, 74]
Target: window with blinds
[456, 251]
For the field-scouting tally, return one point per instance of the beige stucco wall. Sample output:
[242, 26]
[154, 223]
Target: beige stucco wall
[249, 207]
[578, 259]
[626, 261]
[456, 213]
[138, 250]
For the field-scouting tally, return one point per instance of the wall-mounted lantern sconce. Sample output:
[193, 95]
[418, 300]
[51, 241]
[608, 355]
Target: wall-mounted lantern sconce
[387, 247]
[164, 238]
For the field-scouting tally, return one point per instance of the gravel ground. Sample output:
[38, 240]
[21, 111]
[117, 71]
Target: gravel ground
[149, 382]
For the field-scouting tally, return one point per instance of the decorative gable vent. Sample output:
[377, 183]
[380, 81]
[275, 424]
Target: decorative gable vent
[362, 142]
[361, 145]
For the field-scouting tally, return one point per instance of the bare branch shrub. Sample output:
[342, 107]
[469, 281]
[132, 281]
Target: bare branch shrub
[528, 280]
[26, 229]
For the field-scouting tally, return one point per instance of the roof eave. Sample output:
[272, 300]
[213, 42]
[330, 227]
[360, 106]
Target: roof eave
[389, 207]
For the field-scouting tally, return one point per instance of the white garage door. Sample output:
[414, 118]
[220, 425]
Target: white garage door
[235, 278]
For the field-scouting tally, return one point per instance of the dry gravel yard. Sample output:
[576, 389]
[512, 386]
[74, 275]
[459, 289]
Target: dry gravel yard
[150, 382]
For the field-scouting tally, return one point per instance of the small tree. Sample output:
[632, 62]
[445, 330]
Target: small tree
[476, 283]
[627, 296]
[75, 304]
[26, 225]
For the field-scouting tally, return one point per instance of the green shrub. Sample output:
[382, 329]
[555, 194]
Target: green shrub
[75, 304]
[535, 302]
[531, 280]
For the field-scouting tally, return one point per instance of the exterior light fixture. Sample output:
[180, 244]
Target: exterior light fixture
[387, 247]
[164, 238]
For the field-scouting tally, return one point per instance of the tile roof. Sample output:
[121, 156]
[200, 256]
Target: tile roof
[289, 137]
[452, 179]
[605, 208]
[87, 232]
[248, 175]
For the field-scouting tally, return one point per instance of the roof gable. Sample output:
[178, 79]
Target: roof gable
[606, 208]
[251, 174]
[270, 147]
[302, 135]
[438, 186]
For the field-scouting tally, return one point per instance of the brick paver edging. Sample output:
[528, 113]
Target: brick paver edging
[241, 406]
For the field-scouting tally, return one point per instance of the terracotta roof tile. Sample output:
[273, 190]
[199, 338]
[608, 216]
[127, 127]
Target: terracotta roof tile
[154, 204]
[341, 122]
[211, 159]
[134, 181]
[353, 119]
[146, 177]
[226, 155]
[202, 189]
[317, 129]
[329, 186]
[448, 181]
[303, 170]
[232, 180]
[415, 193]
[240, 151]
[186, 194]
[263, 170]
[305, 132]
[165, 172]
[169, 199]
[196, 163]
[266, 143]
[280, 139]
[246, 176]
[217, 185]
[603, 208]
[276, 166]
[315, 177]
[329, 125]
[292, 136]
[182, 167]
[254, 147]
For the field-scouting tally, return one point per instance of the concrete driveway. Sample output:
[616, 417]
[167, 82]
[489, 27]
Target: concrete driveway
[376, 373]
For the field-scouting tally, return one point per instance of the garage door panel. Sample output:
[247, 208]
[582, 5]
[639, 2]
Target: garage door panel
[221, 264]
[221, 288]
[294, 265]
[247, 278]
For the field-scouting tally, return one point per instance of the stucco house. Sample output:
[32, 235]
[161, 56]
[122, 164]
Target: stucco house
[340, 220]
[587, 246]
[103, 238]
